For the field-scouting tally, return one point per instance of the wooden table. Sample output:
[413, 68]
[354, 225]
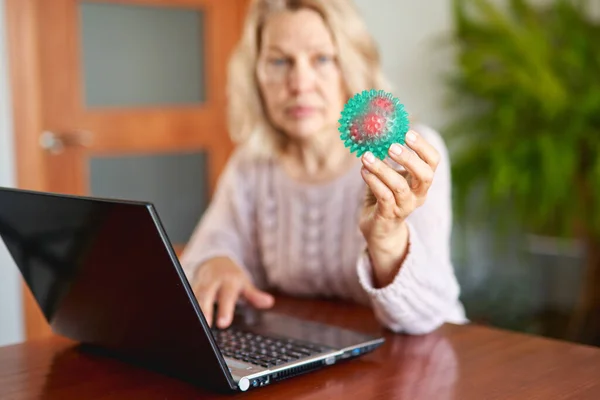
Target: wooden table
[455, 362]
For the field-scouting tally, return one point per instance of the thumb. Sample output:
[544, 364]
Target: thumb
[258, 298]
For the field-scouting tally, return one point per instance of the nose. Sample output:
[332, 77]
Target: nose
[302, 77]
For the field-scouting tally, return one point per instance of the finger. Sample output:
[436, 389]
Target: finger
[258, 298]
[421, 173]
[391, 178]
[228, 295]
[370, 199]
[423, 148]
[206, 299]
[385, 197]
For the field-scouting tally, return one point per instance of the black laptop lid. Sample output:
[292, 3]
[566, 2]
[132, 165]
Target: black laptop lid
[104, 273]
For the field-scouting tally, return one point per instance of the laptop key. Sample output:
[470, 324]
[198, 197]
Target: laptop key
[262, 350]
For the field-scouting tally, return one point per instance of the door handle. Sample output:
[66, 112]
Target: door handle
[55, 143]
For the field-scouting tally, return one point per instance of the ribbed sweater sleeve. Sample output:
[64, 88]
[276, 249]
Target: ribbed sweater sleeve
[424, 293]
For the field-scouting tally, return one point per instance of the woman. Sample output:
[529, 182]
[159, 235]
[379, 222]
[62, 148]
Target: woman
[289, 213]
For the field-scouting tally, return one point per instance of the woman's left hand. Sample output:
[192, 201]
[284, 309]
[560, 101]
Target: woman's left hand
[393, 196]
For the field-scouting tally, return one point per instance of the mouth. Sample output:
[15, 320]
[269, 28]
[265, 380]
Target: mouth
[300, 111]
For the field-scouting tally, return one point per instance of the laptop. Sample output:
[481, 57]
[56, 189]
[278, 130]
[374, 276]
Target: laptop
[104, 273]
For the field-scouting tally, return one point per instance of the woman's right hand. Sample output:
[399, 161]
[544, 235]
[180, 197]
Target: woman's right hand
[221, 280]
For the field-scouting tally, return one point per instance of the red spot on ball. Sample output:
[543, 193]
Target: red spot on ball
[383, 103]
[373, 124]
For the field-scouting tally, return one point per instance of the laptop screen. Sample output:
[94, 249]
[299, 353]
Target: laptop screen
[104, 273]
[48, 236]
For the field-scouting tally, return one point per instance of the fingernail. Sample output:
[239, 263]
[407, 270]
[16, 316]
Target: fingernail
[366, 171]
[369, 157]
[396, 149]
[411, 137]
[222, 322]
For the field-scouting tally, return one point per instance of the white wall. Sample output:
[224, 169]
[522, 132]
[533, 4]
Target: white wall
[405, 32]
[11, 321]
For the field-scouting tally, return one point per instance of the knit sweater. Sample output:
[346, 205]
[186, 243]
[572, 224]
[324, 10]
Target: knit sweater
[304, 240]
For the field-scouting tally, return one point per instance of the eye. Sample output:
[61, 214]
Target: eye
[323, 59]
[278, 61]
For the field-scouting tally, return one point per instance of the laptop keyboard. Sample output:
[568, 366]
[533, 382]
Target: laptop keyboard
[262, 350]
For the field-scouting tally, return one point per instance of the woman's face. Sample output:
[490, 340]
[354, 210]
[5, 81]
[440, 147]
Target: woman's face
[298, 74]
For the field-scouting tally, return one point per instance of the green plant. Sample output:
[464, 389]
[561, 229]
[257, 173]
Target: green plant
[526, 96]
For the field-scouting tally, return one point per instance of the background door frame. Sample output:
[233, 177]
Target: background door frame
[26, 97]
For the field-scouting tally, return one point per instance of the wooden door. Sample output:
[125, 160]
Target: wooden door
[122, 98]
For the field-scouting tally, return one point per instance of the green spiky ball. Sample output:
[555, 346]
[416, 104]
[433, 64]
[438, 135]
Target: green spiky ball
[372, 121]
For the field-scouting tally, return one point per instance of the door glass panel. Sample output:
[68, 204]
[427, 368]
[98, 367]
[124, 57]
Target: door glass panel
[138, 55]
[177, 184]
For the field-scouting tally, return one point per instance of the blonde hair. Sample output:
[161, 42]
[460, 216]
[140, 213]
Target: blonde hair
[358, 58]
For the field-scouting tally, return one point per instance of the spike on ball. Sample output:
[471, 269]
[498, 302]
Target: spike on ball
[372, 121]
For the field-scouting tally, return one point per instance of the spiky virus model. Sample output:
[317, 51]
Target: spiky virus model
[372, 121]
